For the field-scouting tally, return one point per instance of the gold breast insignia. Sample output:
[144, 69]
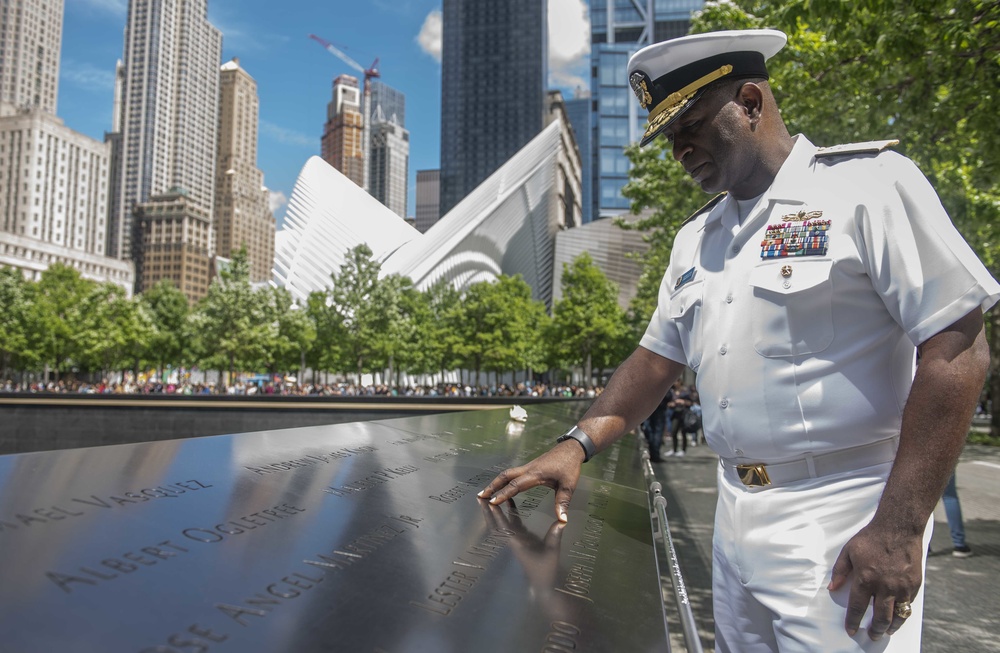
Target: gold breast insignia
[802, 216]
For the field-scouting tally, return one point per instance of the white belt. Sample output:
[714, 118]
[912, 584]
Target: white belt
[815, 465]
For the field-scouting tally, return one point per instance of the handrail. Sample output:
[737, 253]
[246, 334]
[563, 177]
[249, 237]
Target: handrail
[689, 626]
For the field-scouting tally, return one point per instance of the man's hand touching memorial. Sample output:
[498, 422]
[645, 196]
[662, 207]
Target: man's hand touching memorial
[558, 468]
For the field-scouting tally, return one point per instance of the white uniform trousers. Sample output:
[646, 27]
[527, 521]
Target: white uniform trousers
[774, 550]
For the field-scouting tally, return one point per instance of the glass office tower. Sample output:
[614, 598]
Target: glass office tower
[493, 82]
[618, 29]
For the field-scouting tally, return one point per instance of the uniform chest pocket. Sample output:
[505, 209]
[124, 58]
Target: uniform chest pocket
[685, 312]
[792, 307]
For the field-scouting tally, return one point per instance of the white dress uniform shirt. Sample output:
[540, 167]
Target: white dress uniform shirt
[806, 354]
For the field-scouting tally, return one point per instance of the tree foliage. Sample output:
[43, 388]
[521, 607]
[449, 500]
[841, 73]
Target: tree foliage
[168, 309]
[499, 325]
[440, 333]
[587, 322]
[114, 332]
[365, 322]
[360, 308]
[231, 321]
[57, 299]
[327, 350]
[293, 331]
[16, 324]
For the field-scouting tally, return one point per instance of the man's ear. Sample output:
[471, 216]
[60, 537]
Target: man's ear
[751, 100]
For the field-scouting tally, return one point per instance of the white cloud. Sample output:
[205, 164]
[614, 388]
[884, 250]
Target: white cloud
[287, 136]
[88, 76]
[276, 199]
[429, 37]
[569, 43]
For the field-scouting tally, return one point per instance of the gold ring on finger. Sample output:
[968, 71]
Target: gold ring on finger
[903, 610]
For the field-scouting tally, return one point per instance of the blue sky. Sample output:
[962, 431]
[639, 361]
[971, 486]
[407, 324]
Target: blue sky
[294, 74]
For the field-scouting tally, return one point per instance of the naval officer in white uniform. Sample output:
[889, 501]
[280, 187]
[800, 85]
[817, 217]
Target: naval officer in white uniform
[800, 297]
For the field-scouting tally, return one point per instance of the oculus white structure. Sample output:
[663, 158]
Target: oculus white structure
[507, 225]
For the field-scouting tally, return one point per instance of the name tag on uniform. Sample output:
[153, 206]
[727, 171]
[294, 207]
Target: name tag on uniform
[798, 234]
[684, 278]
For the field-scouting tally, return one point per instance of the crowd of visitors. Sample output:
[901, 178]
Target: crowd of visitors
[285, 388]
[679, 414]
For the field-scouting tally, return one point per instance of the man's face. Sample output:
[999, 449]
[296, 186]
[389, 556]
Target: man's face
[711, 141]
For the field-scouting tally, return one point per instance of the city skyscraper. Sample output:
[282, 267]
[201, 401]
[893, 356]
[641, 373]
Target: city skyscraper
[169, 111]
[493, 82]
[30, 40]
[173, 241]
[618, 29]
[53, 180]
[389, 147]
[243, 217]
[389, 164]
[578, 111]
[390, 101]
[428, 209]
[342, 145]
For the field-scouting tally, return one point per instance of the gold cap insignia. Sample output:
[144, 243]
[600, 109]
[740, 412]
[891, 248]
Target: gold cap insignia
[638, 81]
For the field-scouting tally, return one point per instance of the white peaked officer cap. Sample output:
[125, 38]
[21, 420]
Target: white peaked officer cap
[669, 77]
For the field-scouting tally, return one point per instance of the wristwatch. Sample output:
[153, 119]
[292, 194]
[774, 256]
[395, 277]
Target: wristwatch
[576, 433]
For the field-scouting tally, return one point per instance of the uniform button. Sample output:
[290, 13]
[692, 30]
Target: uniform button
[738, 452]
[724, 403]
[729, 299]
[786, 285]
[736, 249]
[723, 349]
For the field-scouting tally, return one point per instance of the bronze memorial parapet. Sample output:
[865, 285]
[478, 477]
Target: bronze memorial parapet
[351, 537]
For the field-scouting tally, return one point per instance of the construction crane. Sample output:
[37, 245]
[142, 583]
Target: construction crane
[368, 73]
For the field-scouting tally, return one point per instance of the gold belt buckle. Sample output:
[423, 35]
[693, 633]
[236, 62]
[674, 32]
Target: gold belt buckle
[753, 475]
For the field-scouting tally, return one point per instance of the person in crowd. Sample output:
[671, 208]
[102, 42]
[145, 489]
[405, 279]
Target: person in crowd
[692, 419]
[799, 297]
[680, 409]
[654, 426]
[953, 512]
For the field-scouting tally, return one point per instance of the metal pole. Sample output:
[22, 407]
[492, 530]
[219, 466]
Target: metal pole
[689, 626]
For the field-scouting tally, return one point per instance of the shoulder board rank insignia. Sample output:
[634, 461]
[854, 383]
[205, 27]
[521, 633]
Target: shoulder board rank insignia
[707, 207]
[849, 149]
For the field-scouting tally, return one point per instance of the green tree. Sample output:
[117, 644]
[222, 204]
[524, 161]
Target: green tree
[402, 316]
[588, 326]
[15, 321]
[58, 296]
[441, 335]
[294, 332]
[231, 321]
[327, 350]
[168, 308]
[353, 292]
[499, 326]
[113, 331]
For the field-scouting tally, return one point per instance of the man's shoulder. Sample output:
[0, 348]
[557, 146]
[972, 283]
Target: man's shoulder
[847, 151]
[705, 208]
[870, 162]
